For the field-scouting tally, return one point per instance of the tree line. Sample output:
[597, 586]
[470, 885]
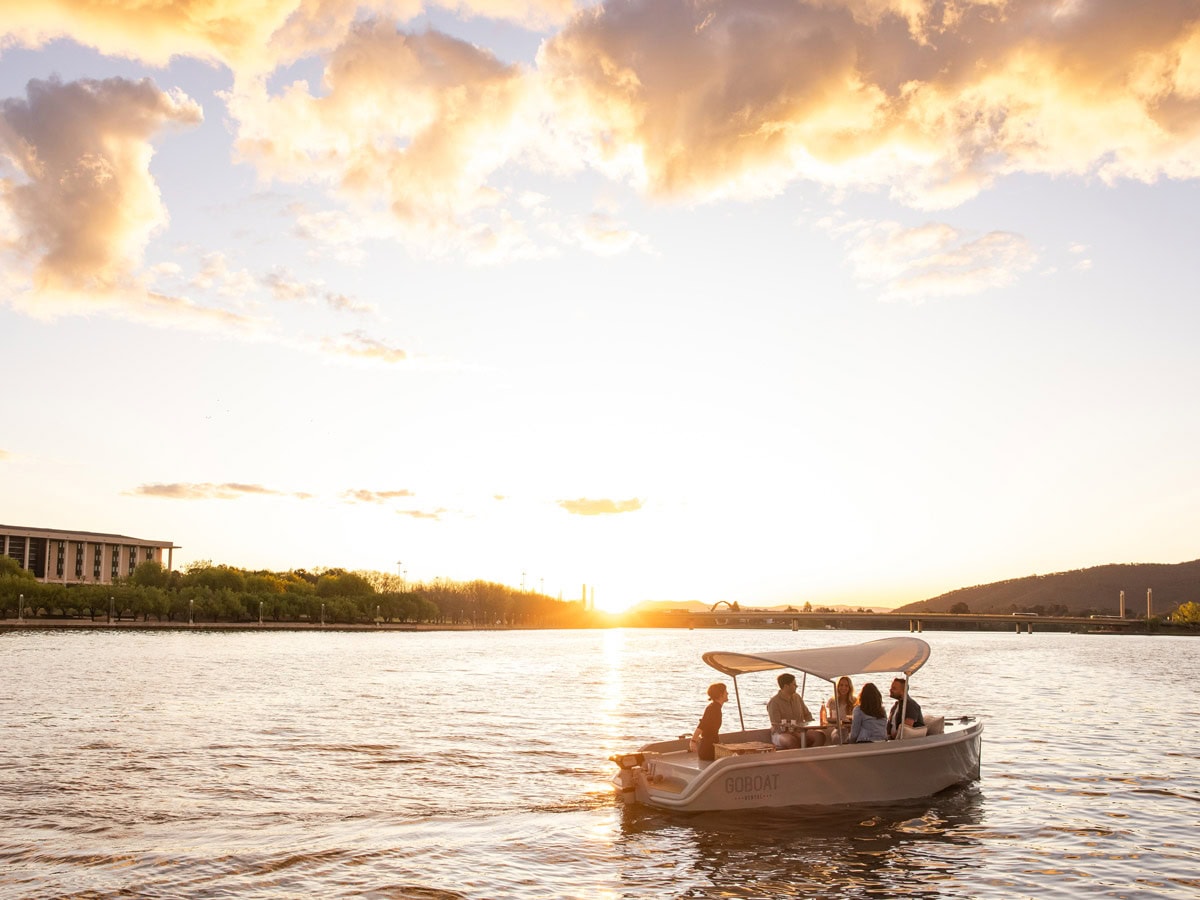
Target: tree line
[204, 592]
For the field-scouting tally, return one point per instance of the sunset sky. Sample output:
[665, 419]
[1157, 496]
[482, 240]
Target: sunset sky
[841, 301]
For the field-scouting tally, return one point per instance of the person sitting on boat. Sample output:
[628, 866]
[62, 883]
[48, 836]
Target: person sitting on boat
[870, 721]
[789, 716]
[907, 707]
[840, 707]
[704, 738]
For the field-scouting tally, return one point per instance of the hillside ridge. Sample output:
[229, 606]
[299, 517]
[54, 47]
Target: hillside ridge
[1091, 591]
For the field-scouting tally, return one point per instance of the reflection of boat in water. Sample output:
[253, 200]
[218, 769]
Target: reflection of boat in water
[749, 773]
[930, 847]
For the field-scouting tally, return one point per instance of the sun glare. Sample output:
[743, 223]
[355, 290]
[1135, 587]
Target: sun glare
[614, 604]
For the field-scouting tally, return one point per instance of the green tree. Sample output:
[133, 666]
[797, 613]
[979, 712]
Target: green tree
[266, 584]
[91, 597]
[150, 574]
[10, 568]
[337, 583]
[15, 581]
[1187, 614]
[960, 609]
[215, 577]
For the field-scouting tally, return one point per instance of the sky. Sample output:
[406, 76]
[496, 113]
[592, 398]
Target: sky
[775, 301]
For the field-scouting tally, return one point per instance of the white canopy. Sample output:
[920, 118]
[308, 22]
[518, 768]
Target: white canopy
[895, 654]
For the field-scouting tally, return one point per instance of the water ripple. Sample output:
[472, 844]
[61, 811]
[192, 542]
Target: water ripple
[173, 767]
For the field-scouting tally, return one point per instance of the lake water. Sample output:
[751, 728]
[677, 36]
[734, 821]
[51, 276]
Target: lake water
[474, 765]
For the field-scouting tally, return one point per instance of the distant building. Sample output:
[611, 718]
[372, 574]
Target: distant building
[80, 557]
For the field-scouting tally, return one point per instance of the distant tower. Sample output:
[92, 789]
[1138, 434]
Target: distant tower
[583, 597]
[1122, 604]
[592, 601]
[1149, 602]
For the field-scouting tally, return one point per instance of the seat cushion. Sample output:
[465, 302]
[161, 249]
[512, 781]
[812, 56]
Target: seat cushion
[935, 724]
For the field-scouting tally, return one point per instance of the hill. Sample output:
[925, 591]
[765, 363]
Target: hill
[1094, 591]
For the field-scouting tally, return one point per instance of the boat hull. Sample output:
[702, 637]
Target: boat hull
[671, 778]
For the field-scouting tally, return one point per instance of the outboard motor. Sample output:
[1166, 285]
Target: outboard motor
[625, 781]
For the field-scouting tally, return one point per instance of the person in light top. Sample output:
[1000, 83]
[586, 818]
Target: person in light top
[789, 716]
[841, 704]
[870, 721]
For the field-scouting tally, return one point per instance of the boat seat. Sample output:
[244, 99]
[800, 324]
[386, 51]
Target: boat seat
[935, 724]
[908, 732]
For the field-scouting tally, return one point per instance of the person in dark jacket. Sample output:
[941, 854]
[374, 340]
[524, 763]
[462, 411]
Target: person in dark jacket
[704, 738]
[909, 708]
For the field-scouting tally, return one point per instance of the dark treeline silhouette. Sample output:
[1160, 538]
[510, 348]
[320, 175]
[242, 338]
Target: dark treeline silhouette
[1094, 591]
[205, 592]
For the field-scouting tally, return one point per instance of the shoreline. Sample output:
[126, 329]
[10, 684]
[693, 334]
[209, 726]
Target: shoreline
[127, 625]
[51, 624]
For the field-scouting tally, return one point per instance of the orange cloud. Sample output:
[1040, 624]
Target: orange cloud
[86, 204]
[364, 496]
[932, 260]
[359, 345]
[687, 99]
[933, 100]
[207, 491]
[585, 507]
[420, 118]
[215, 274]
[248, 37]
[436, 514]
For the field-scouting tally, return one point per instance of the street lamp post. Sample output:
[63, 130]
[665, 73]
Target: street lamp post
[322, 613]
[191, 611]
[110, 609]
[259, 612]
[21, 608]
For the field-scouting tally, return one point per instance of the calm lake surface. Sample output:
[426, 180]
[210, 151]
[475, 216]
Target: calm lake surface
[474, 765]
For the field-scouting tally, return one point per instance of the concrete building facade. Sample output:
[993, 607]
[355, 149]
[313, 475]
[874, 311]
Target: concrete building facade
[57, 556]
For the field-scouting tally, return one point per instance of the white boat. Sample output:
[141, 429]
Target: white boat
[750, 773]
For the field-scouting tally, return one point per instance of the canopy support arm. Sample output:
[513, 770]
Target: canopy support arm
[738, 694]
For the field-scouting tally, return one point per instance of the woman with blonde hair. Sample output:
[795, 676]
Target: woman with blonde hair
[840, 707]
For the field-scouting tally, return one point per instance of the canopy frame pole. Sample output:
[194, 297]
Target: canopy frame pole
[903, 710]
[837, 709]
[803, 705]
[738, 694]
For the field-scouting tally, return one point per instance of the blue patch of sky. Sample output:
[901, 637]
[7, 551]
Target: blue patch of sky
[311, 69]
[67, 61]
[508, 42]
